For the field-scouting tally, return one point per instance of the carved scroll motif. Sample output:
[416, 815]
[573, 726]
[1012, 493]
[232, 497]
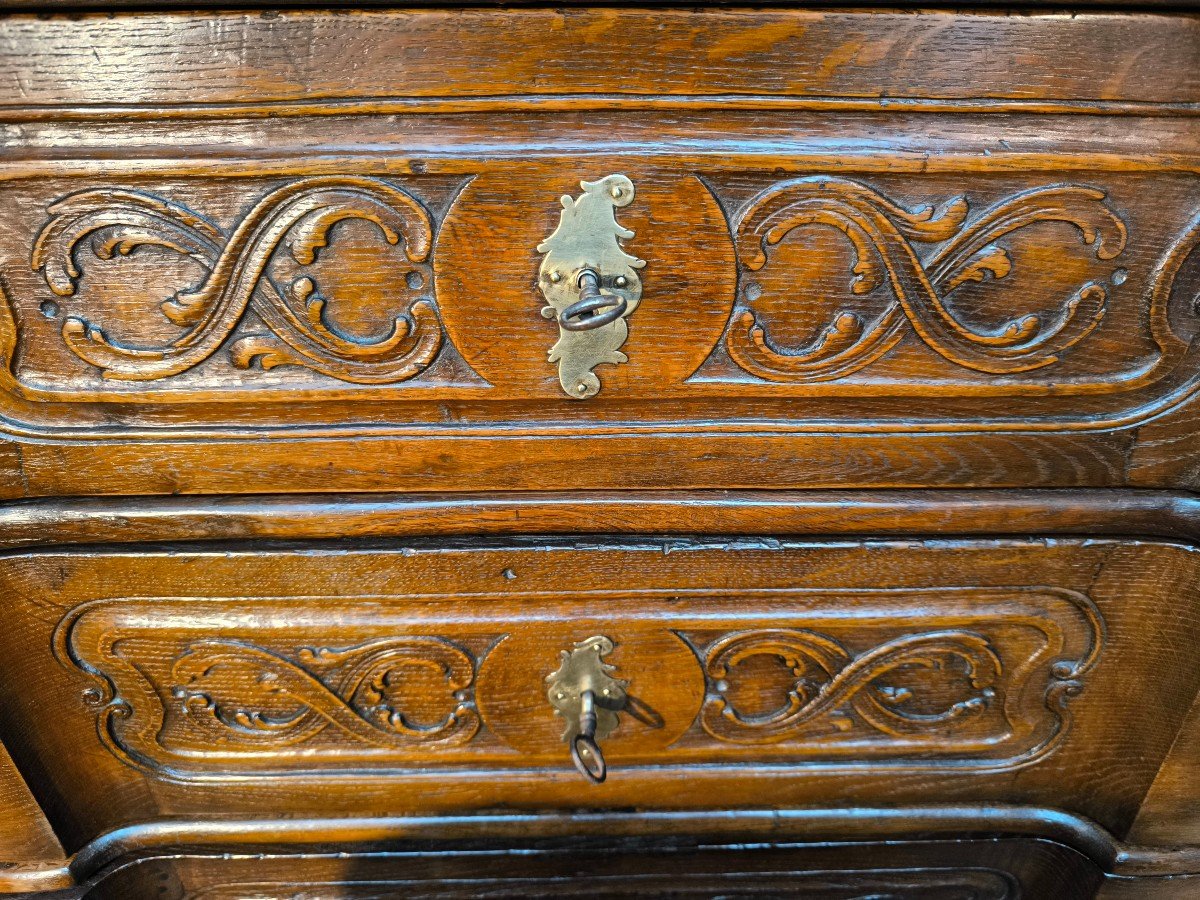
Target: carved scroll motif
[987, 693]
[237, 692]
[827, 676]
[225, 705]
[882, 235]
[297, 217]
[884, 689]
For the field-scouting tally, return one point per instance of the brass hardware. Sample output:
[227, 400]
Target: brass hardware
[586, 695]
[590, 284]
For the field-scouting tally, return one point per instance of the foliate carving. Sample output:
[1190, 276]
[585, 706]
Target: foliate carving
[827, 677]
[298, 218]
[883, 234]
[237, 692]
[996, 685]
[198, 706]
[1025, 296]
[971, 678]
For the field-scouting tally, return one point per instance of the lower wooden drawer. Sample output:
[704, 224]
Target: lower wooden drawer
[953, 870]
[342, 680]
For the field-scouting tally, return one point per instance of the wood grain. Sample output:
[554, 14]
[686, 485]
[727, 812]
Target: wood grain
[1060, 700]
[297, 517]
[1006, 311]
[485, 53]
[1004, 870]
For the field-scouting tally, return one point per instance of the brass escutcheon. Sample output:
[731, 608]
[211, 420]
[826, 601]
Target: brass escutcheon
[590, 284]
[586, 695]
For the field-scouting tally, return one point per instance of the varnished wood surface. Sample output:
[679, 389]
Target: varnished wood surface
[675, 52]
[272, 277]
[723, 119]
[31, 857]
[1168, 815]
[909, 513]
[25, 835]
[1172, 887]
[1171, 515]
[789, 826]
[1061, 636]
[999, 871]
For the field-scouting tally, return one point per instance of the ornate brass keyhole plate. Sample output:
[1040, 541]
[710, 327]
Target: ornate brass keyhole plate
[590, 283]
[584, 692]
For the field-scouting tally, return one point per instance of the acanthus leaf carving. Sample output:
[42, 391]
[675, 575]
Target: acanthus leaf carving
[298, 216]
[882, 234]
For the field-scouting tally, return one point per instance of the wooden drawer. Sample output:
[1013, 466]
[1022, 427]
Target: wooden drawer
[998, 870]
[333, 681]
[883, 249]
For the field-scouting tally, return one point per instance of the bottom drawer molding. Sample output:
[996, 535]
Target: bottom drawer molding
[760, 673]
[947, 870]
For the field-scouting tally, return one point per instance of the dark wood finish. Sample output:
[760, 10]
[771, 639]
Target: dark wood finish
[1168, 815]
[33, 859]
[270, 281]
[1174, 516]
[1171, 887]
[679, 52]
[1000, 870]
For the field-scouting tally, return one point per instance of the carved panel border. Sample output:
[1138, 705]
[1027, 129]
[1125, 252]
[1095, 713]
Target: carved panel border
[909, 264]
[953, 678]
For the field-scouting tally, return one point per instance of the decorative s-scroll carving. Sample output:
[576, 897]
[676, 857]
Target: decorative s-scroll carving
[1175, 292]
[193, 705]
[927, 691]
[828, 676]
[238, 692]
[299, 217]
[969, 678]
[882, 234]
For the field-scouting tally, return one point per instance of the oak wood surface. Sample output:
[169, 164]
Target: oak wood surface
[1168, 815]
[465, 52]
[1000, 870]
[296, 516]
[31, 857]
[1021, 160]
[150, 705]
[1172, 515]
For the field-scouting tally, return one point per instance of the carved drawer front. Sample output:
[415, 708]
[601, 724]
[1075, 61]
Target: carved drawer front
[546, 283]
[438, 677]
[988, 276]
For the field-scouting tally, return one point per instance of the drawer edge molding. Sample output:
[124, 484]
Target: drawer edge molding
[779, 825]
[58, 522]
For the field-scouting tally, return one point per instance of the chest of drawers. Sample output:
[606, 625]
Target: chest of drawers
[786, 415]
